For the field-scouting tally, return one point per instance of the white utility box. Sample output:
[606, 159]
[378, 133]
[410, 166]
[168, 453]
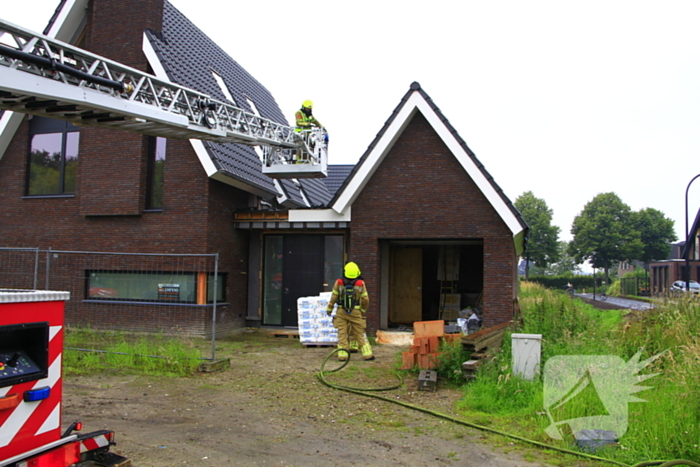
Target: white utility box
[527, 351]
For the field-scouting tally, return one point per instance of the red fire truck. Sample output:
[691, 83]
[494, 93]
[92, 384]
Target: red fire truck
[31, 349]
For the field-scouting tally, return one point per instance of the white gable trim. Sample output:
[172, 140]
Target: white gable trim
[69, 20]
[152, 58]
[318, 215]
[213, 173]
[204, 157]
[302, 193]
[281, 197]
[9, 123]
[416, 102]
[64, 28]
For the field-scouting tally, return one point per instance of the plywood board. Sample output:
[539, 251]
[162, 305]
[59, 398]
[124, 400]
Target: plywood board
[406, 295]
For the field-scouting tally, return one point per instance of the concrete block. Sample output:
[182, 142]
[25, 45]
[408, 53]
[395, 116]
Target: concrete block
[427, 380]
[210, 366]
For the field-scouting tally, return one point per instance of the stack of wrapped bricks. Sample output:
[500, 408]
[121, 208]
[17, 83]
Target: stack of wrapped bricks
[315, 326]
[427, 337]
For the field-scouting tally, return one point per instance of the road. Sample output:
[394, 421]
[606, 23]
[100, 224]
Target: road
[621, 302]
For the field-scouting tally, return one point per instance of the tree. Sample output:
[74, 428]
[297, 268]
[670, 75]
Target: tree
[656, 232]
[604, 233]
[543, 237]
[566, 263]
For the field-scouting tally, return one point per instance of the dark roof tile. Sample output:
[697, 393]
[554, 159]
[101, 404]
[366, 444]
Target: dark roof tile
[293, 192]
[54, 17]
[189, 57]
[337, 174]
[316, 192]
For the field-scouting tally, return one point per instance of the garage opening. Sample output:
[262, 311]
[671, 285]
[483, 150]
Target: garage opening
[429, 280]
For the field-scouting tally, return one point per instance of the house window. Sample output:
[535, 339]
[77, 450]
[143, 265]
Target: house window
[53, 157]
[156, 173]
[181, 287]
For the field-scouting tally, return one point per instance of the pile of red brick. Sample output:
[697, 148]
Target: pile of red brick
[427, 337]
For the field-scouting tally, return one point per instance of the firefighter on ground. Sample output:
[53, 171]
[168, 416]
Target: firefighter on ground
[305, 120]
[350, 293]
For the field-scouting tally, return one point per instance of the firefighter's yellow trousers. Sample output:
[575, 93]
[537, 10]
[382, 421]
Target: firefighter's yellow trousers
[351, 326]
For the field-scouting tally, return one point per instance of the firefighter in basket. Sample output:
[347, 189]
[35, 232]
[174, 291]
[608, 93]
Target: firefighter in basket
[305, 120]
[350, 293]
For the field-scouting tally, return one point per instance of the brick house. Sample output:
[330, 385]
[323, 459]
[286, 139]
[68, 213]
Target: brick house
[428, 222]
[430, 228]
[662, 274]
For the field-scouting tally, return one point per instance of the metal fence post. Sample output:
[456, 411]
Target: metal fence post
[213, 319]
[36, 268]
[48, 268]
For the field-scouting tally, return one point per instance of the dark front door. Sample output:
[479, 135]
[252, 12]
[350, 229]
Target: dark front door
[302, 272]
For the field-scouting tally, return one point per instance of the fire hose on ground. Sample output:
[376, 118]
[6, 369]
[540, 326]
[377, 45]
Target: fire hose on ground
[371, 392]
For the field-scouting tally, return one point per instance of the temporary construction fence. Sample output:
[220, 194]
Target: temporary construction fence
[637, 286]
[19, 268]
[169, 294]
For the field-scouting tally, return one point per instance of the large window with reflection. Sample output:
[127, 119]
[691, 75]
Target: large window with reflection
[53, 157]
[146, 286]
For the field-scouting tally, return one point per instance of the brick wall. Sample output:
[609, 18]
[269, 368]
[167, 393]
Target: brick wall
[232, 245]
[106, 212]
[196, 219]
[115, 29]
[420, 191]
[112, 172]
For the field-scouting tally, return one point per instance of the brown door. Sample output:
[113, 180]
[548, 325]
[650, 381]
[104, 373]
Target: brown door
[405, 295]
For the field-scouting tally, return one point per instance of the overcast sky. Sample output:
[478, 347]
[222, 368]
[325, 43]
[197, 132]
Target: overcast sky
[565, 99]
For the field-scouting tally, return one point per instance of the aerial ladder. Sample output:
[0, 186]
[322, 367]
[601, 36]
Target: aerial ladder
[43, 76]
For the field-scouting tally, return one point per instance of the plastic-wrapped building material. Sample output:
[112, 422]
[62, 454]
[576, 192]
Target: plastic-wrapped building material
[315, 326]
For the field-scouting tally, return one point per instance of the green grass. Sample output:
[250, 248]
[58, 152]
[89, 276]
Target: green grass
[667, 426]
[109, 351]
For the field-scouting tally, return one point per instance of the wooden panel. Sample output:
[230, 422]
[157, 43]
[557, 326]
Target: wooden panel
[406, 296]
[429, 328]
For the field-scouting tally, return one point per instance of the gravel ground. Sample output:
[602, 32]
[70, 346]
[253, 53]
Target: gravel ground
[270, 409]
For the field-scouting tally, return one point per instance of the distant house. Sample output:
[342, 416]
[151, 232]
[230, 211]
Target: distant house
[625, 267]
[428, 225]
[664, 273]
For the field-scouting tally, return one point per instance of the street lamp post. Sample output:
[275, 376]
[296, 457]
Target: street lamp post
[687, 238]
[594, 283]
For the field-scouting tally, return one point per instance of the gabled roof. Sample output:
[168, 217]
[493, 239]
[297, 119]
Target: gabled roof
[691, 235]
[417, 100]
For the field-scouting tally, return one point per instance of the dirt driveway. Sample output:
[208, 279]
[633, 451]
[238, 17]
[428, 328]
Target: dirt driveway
[269, 409]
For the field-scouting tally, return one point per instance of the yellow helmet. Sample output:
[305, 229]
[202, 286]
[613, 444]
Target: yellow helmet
[307, 104]
[351, 270]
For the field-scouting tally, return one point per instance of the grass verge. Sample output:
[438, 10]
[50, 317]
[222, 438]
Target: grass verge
[87, 351]
[666, 426]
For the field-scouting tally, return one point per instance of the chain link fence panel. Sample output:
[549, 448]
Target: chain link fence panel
[171, 295]
[19, 268]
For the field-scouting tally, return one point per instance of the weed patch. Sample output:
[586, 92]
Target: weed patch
[89, 351]
[666, 426]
